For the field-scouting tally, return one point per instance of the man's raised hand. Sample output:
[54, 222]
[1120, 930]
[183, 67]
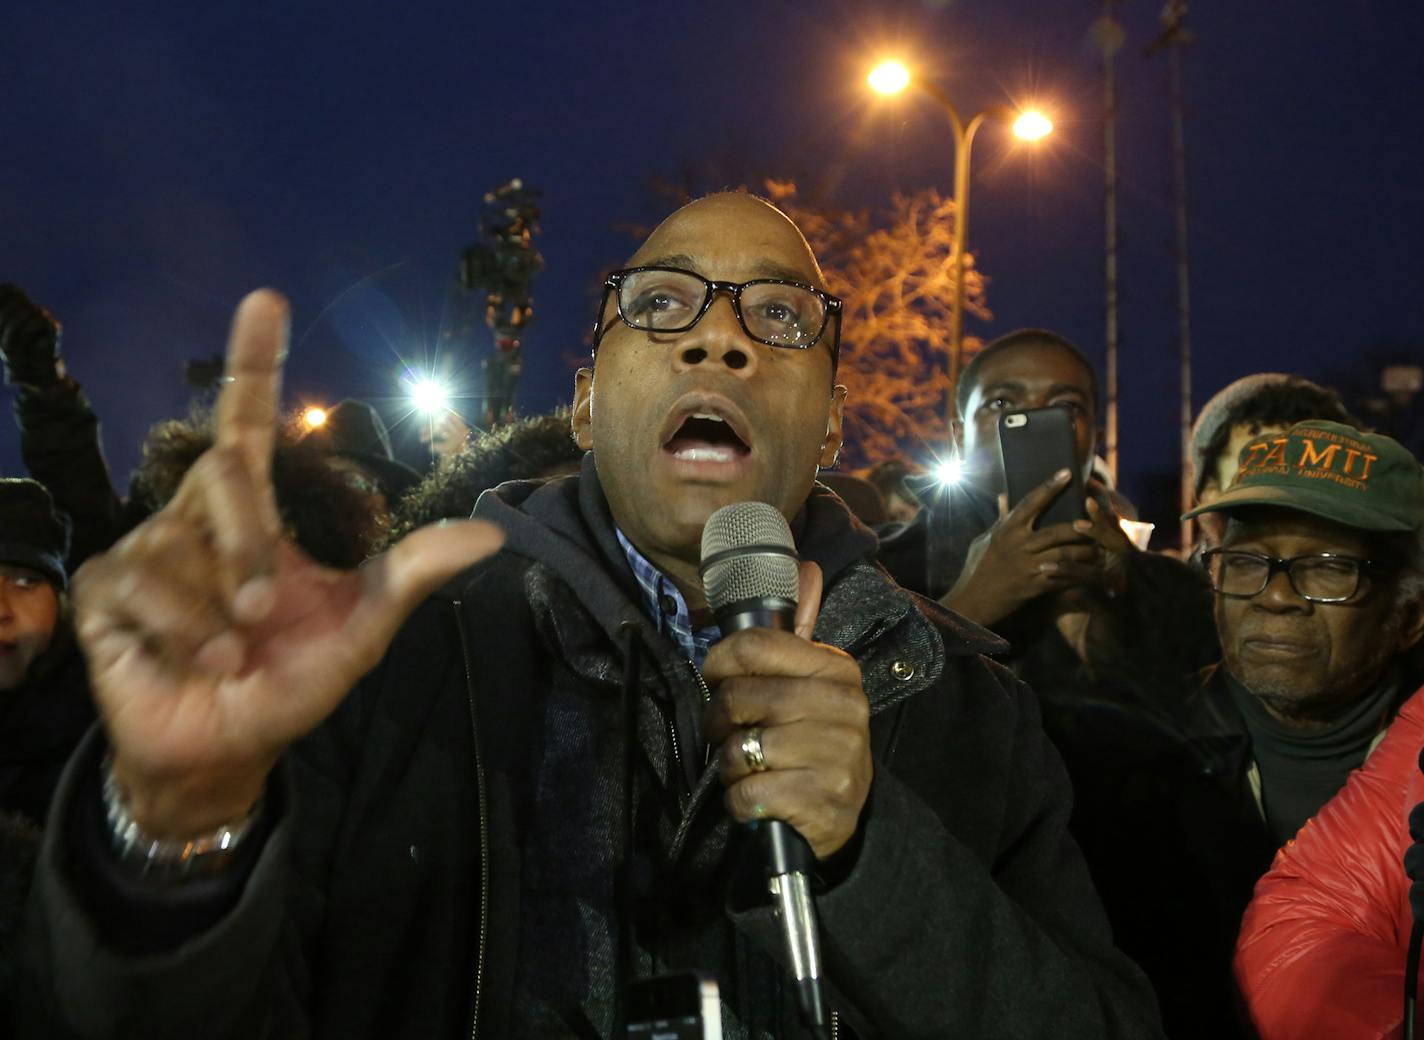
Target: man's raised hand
[213, 642]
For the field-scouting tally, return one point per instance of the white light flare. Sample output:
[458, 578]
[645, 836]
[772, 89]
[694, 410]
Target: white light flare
[429, 396]
[950, 471]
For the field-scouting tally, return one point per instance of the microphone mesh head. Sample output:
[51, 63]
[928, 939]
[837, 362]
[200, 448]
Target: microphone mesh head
[753, 572]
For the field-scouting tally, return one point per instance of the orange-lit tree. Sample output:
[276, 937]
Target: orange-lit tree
[894, 268]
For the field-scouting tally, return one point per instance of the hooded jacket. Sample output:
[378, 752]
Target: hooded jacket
[446, 857]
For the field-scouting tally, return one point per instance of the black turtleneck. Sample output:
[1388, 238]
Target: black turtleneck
[1301, 769]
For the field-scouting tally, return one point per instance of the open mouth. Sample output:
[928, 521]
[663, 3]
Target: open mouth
[704, 437]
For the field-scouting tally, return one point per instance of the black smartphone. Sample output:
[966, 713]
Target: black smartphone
[686, 1006]
[1035, 444]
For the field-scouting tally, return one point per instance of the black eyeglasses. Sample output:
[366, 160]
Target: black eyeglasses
[775, 311]
[1319, 577]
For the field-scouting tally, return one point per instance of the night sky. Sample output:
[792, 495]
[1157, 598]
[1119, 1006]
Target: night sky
[160, 162]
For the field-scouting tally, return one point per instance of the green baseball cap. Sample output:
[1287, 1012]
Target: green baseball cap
[1362, 480]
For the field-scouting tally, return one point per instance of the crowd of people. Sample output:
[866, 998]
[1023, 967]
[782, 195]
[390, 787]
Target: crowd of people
[292, 746]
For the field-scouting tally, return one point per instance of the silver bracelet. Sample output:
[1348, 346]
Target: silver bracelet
[169, 859]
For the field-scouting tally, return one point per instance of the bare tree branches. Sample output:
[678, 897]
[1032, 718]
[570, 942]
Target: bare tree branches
[894, 268]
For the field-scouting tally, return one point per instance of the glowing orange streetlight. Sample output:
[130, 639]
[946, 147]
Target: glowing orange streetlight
[1032, 125]
[892, 77]
[314, 417]
[889, 77]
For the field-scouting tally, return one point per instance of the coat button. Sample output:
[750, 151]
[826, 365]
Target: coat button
[902, 670]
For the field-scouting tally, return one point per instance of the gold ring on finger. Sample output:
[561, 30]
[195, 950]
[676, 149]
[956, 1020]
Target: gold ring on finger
[752, 751]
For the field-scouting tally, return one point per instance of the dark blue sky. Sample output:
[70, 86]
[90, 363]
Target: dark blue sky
[161, 160]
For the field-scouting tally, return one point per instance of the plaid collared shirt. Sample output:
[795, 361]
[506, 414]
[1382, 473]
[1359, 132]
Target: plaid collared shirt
[665, 605]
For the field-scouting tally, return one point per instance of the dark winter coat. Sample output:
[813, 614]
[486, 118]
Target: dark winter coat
[41, 723]
[445, 856]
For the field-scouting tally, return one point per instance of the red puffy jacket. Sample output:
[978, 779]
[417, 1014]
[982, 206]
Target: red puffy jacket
[1322, 945]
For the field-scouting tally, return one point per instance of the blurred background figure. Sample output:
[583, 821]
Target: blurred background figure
[59, 432]
[328, 503]
[888, 477]
[45, 703]
[1399, 410]
[534, 448]
[1266, 402]
[444, 435]
[45, 707]
[860, 496]
[355, 434]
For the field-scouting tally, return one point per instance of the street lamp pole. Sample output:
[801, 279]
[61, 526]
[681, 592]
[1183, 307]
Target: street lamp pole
[891, 78]
[963, 145]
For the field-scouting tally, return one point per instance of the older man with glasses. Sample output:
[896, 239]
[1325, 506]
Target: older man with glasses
[1318, 587]
[1319, 605]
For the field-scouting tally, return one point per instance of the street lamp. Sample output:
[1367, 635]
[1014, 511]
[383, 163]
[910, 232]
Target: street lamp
[892, 77]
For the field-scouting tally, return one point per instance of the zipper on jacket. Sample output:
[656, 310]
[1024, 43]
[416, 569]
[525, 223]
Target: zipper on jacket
[835, 1025]
[484, 824]
[706, 699]
[672, 722]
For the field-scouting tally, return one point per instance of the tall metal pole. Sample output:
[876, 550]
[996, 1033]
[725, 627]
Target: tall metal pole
[961, 238]
[1110, 35]
[1174, 37]
[963, 146]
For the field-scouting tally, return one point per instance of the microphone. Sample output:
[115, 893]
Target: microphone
[751, 579]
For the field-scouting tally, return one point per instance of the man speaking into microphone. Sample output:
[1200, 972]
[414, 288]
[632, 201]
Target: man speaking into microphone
[311, 815]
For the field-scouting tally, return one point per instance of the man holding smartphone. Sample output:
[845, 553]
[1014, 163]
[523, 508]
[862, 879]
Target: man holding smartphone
[990, 559]
[1110, 638]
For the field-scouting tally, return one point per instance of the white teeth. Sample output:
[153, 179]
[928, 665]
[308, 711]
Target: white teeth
[705, 454]
[704, 415]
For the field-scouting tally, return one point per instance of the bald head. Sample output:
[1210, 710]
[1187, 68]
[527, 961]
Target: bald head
[685, 237]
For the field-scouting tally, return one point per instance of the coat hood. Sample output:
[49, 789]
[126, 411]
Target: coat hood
[565, 524]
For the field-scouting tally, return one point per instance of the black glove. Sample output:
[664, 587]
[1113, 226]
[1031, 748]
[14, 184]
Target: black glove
[1414, 857]
[29, 340]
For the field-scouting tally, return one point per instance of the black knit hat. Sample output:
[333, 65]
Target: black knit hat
[354, 430]
[32, 534]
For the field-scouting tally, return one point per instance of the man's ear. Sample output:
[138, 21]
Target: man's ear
[1413, 627]
[582, 419]
[835, 433]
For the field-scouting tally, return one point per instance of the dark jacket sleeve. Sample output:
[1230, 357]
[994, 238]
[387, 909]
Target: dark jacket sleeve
[103, 960]
[350, 919]
[243, 976]
[59, 441]
[969, 910]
